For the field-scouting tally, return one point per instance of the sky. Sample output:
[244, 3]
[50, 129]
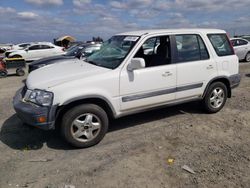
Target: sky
[44, 20]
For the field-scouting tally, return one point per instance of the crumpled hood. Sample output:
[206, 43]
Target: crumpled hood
[55, 74]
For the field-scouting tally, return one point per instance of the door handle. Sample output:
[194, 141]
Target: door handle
[210, 67]
[165, 74]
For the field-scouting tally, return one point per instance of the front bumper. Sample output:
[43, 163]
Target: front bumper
[30, 113]
[235, 80]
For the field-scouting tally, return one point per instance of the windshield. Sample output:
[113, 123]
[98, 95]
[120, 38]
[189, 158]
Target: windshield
[72, 51]
[113, 51]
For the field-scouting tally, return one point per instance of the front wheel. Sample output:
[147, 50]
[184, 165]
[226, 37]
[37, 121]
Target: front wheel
[3, 73]
[20, 72]
[215, 97]
[85, 125]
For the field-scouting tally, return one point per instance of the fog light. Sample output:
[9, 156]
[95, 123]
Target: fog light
[41, 119]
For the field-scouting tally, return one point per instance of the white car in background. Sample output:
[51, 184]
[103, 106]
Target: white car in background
[241, 48]
[36, 51]
[20, 46]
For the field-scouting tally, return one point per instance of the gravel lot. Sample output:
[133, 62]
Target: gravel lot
[136, 150]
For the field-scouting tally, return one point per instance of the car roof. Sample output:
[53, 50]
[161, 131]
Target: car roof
[24, 43]
[35, 43]
[162, 31]
[238, 38]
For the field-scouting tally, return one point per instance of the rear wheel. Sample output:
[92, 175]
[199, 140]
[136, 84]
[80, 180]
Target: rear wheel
[20, 72]
[215, 97]
[85, 125]
[247, 59]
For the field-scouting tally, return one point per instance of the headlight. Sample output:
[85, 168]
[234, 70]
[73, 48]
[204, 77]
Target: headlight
[39, 97]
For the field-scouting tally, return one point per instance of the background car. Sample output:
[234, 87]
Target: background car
[241, 48]
[5, 47]
[16, 47]
[90, 49]
[36, 51]
[76, 51]
[247, 37]
[20, 46]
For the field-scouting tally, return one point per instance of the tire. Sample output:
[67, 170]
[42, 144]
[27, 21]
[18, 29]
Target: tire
[84, 125]
[247, 58]
[215, 97]
[20, 72]
[3, 73]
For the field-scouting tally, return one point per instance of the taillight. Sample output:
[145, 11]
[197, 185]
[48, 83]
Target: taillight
[231, 44]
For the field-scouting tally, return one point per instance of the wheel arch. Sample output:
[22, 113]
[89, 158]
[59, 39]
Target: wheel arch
[12, 56]
[97, 100]
[224, 80]
[246, 55]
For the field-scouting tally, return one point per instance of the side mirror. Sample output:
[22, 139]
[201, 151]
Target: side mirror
[27, 49]
[136, 63]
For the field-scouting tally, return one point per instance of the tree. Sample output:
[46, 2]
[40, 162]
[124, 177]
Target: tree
[97, 39]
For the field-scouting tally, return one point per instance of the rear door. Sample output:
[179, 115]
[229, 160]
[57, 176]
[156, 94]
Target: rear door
[195, 67]
[47, 50]
[34, 52]
[227, 61]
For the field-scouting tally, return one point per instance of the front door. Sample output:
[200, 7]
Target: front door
[153, 85]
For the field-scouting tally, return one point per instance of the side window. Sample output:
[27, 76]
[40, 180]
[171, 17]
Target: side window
[45, 47]
[23, 45]
[221, 44]
[155, 51]
[203, 50]
[190, 48]
[35, 47]
[150, 45]
[242, 42]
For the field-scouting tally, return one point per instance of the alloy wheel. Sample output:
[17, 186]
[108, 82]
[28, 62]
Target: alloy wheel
[217, 97]
[86, 127]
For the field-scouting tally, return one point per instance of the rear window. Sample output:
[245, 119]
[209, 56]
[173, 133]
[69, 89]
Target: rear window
[242, 42]
[221, 44]
[190, 47]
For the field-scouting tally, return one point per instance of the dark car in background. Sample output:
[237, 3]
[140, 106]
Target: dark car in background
[76, 51]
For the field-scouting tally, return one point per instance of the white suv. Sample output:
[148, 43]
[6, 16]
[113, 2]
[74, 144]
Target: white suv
[125, 77]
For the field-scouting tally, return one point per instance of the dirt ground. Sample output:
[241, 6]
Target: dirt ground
[135, 151]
